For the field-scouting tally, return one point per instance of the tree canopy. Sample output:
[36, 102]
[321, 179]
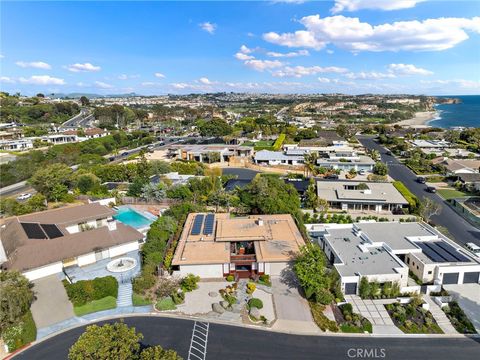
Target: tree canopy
[214, 127]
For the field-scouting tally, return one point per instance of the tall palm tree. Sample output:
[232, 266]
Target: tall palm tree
[310, 161]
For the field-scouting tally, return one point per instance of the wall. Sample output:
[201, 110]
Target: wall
[275, 268]
[423, 269]
[204, 271]
[123, 249]
[86, 259]
[44, 271]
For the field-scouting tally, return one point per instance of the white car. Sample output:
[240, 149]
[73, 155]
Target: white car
[25, 196]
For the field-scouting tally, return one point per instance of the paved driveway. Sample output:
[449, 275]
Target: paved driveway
[292, 310]
[52, 304]
[468, 297]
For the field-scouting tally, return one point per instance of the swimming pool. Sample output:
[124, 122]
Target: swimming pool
[130, 217]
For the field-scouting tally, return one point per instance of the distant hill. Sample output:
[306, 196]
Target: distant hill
[88, 95]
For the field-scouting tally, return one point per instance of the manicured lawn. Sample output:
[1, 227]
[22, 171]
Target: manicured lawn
[450, 193]
[139, 300]
[105, 303]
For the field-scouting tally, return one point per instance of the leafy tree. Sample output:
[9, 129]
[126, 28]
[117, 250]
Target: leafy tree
[313, 274]
[380, 168]
[136, 187]
[429, 208]
[214, 127]
[87, 182]
[84, 101]
[16, 296]
[311, 197]
[322, 205]
[152, 191]
[52, 181]
[364, 289]
[158, 353]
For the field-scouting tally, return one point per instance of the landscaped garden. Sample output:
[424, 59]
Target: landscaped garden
[88, 296]
[459, 320]
[351, 322]
[374, 290]
[412, 318]
[451, 193]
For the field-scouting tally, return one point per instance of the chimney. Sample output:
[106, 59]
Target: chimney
[260, 222]
[112, 224]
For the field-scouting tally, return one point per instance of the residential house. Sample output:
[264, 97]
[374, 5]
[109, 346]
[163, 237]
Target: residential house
[209, 153]
[215, 245]
[457, 166]
[471, 181]
[44, 243]
[16, 145]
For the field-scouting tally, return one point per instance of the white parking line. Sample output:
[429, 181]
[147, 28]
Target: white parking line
[198, 343]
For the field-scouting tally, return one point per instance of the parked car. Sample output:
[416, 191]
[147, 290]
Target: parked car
[421, 180]
[331, 177]
[431, 189]
[474, 248]
[362, 172]
[389, 153]
[125, 153]
[25, 196]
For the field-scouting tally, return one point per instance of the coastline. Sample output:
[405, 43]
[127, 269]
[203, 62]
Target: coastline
[421, 119]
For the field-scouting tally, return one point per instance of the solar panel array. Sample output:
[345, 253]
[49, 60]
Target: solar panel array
[41, 231]
[439, 251]
[208, 224]
[33, 231]
[197, 224]
[51, 230]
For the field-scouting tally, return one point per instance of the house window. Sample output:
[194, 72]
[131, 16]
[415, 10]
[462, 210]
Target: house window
[408, 260]
[429, 273]
[417, 267]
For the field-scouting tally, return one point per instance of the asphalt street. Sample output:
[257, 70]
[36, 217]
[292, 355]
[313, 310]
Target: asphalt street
[231, 342]
[460, 229]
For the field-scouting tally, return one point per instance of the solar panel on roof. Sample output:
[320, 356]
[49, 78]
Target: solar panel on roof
[197, 224]
[33, 231]
[432, 255]
[208, 224]
[51, 230]
[450, 249]
[444, 254]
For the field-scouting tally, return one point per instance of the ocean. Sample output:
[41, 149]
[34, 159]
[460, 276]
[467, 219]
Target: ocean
[466, 114]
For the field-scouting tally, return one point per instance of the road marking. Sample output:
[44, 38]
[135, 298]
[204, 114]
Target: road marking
[198, 343]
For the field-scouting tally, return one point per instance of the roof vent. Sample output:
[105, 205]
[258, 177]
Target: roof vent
[260, 222]
[346, 239]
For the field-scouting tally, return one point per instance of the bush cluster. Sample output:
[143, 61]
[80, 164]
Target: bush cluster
[374, 290]
[84, 291]
[251, 288]
[354, 323]
[413, 202]
[189, 282]
[255, 303]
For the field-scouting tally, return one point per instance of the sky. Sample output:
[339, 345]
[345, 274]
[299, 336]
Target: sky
[286, 46]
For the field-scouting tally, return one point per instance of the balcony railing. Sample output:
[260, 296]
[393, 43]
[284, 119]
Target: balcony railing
[243, 258]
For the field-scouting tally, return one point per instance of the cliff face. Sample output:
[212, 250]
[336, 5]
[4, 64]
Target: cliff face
[448, 101]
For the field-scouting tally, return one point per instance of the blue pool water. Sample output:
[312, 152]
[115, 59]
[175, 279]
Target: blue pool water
[130, 217]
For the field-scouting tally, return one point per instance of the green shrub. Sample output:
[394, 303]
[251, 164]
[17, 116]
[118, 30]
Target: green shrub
[458, 318]
[346, 309]
[23, 333]
[255, 303]
[412, 200]
[320, 319]
[230, 278]
[264, 279]
[251, 288]
[140, 300]
[84, 291]
[279, 142]
[165, 304]
[189, 282]
[144, 281]
[178, 297]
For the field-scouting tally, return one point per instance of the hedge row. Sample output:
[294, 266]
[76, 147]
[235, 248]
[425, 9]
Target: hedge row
[279, 142]
[84, 291]
[407, 194]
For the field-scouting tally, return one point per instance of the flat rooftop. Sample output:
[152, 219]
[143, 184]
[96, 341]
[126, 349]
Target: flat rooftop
[398, 236]
[337, 191]
[357, 257]
[275, 237]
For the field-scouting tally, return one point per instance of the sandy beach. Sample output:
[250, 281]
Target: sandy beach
[420, 120]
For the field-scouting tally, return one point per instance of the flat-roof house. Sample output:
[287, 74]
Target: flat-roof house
[387, 251]
[16, 145]
[215, 245]
[361, 196]
[44, 243]
[346, 160]
[209, 153]
[430, 144]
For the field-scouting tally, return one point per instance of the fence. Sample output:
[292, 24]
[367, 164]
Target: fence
[130, 200]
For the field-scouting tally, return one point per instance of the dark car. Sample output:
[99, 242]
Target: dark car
[331, 177]
[421, 180]
[124, 153]
[389, 153]
[431, 189]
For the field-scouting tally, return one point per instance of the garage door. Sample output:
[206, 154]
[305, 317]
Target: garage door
[471, 277]
[350, 288]
[451, 278]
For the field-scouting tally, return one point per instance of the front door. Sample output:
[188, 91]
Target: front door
[243, 271]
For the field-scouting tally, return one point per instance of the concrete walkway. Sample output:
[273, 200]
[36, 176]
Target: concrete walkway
[51, 305]
[468, 297]
[439, 316]
[375, 311]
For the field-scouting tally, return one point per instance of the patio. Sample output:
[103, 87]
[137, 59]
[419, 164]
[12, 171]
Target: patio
[99, 269]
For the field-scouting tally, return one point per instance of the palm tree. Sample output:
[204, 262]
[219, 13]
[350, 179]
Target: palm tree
[310, 161]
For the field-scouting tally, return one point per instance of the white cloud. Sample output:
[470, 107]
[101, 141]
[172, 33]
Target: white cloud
[324, 80]
[102, 85]
[6, 80]
[205, 81]
[353, 35]
[330, 52]
[355, 5]
[148, 83]
[261, 65]
[86, 67]
[245, 50]
[461, 83]
[34, 64]
[123, 77]
[159, 75]
[289, 54]
[208, 27]
[42, 80]
[242, 56]
[370, 75]
[408, 69]
[299, 71]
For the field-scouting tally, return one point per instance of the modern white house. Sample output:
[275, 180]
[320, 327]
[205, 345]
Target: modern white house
[44, 243]
[209, 152]
[215, 245]
[16, 145]
[361, 196]
[387, 251]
